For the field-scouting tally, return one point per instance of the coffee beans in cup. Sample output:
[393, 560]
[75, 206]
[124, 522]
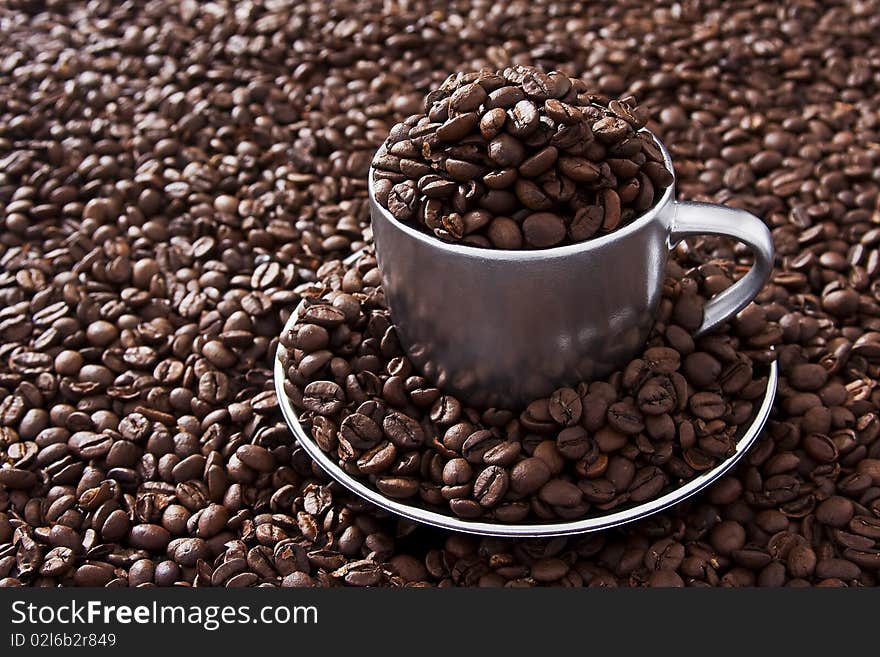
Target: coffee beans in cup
[668, 415]
[519, 158]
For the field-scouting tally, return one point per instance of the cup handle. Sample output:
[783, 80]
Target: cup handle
[707, 219]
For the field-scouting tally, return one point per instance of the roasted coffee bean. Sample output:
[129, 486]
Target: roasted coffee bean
[707, 405]
[323, 397]
[403, 430]
[152, 538]
[529, 475]
[398, 487]
[656, 396]
[558, 492]
[490, 486]
[361, 431]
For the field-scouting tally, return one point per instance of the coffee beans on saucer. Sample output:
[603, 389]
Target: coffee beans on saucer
[668, 415]
[519, 158]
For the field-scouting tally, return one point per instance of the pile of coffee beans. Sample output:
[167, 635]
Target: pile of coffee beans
[174, 173]
[671, 413]
[519, 158]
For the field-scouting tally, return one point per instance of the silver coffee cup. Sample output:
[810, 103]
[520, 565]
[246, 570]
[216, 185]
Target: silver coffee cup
[501, 328]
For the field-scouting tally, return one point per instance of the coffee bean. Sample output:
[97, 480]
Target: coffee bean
[836, 511]
[506, 97]
[490, 486]
[456, 472]
[543, 229]
[453, 129]
[505, 151]
[187, 551]
[256, 457]
[478, 444]
[324, 397]
[562, 112]
[565, 407]
[656, 396]
[504, 233]
[378, 459]
[707, 405]
[662, 360]
[397, 487]
[808, 376]
[610, 130]
[153, 538]
[539, 163]
[403, 430]
[702, 369]
[573, 443]
[361, 431]
[625, 417]
[529, 475]
[558, 492]
[402, 200]
[578, 169]
[468, 97]
[523, 118]
[492, 122]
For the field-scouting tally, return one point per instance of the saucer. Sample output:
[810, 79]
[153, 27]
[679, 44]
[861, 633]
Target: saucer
[746, 437]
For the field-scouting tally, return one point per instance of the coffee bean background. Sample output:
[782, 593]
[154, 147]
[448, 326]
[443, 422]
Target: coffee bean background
[174, 174]
[673, 412]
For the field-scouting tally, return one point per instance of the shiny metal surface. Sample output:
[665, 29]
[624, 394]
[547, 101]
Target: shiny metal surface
[500, 328]
[747, 436]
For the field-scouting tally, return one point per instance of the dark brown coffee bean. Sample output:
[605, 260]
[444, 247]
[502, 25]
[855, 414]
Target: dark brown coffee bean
[707, 405]
[453, 129]
[324, 397]
[523, 119]
[578, 169]
[702, 369]
[586, 223]
[529, 475]
[836, 511]
[562, 112]
[610, 130]
[152, 538]
[543, 229]
[505, 97]
[403, 430]
[539, 163]
[493, 122]
[625, 417]
[656, 396]
[468, 97]
[490, 486]
[462, 170]
[573, 443]
[505, 151]
[397, 487]
[505, 233]
[402, 200]
[808, 376]
[558, 492]
[378, 459]
[361, 431]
